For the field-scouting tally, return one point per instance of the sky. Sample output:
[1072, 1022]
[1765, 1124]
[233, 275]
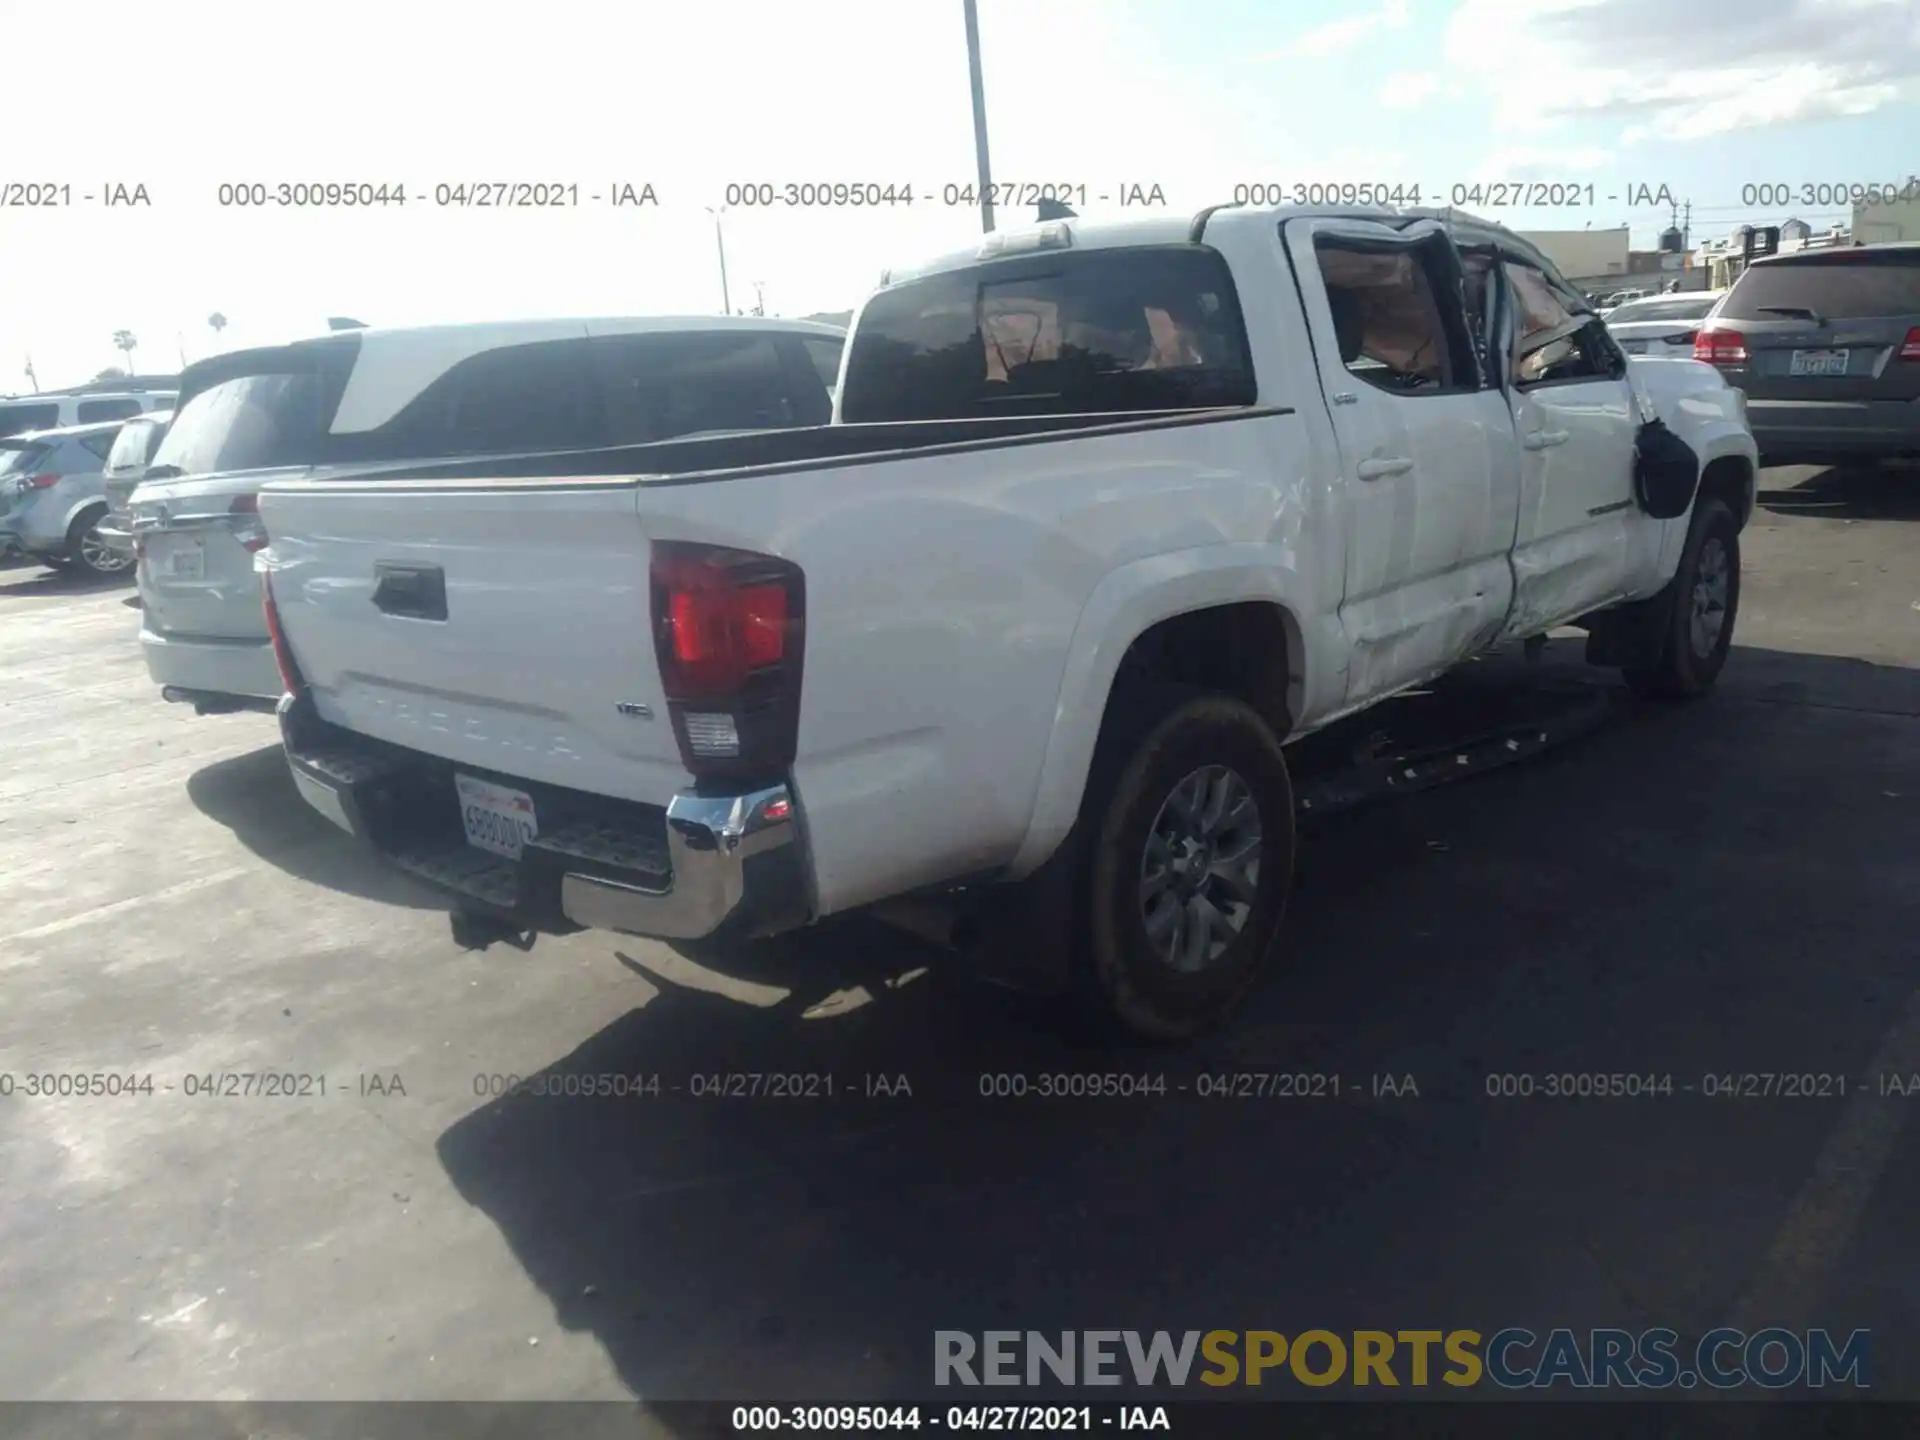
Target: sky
[1702, 97]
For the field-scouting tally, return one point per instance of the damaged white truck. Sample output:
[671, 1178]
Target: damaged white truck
[1108, 514]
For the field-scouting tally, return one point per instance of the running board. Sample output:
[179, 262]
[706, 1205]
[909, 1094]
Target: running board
[1377, 774]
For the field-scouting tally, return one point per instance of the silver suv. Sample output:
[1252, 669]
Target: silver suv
[52, 498]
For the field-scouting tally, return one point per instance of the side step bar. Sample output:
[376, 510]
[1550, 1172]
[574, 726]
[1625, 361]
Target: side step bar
[1375, 775]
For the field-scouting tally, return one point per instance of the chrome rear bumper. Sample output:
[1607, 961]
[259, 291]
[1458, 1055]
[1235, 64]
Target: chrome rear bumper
[707, 866]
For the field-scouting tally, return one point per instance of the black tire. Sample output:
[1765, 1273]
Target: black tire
[1158, 739]
[1691, 657]
[88, 554]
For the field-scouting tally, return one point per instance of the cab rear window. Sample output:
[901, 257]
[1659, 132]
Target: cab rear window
[1094, 332]
[1842, 285]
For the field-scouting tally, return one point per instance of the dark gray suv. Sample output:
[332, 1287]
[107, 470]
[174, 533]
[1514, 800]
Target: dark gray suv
[1826, 343]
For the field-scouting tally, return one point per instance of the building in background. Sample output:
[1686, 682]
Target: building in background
[1583, 254]
[1603, 262]
[1888, 221]
[1721, 261]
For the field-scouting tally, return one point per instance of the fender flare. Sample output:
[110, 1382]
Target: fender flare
[1720, 440]
[1123, 606]
[1727, 441]
[81, 507]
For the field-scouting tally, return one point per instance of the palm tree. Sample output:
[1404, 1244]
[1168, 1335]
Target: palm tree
[217, 321]
[124, 341]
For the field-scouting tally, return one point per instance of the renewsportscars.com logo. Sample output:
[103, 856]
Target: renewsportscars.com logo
[1511, 1359]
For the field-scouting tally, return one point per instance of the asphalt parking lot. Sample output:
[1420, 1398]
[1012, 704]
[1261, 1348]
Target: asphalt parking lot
[1727, 888]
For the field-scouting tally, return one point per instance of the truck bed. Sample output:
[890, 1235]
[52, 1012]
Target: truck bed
[943, 589]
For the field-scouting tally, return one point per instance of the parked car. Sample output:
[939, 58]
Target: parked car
[52, 498]
[126, 463]
[370, 397]
[1622, 297]
[1826, 345]
[1110, 512]
[1661, 325]
[22, 413]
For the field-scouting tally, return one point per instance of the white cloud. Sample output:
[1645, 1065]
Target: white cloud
[1540, 164]
[1662, 69]
[1409, 89]
[1338, 35]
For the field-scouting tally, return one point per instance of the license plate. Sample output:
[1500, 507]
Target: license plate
[1634, 347]
[1819, 362]
[496, 818]
[187, 562]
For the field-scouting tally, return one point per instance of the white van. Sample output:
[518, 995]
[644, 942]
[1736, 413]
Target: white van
[21, 413]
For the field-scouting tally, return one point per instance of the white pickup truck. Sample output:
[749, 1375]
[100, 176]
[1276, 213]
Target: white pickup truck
[1107, 515]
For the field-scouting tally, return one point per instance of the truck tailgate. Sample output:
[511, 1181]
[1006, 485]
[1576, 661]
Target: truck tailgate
[501, 629]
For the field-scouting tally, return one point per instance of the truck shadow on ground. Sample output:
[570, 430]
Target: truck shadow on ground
[253, 796]
[748, 1246]
[1849, 493]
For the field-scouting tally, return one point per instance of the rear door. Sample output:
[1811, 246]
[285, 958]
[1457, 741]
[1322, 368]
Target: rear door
[22, 460]
[1825, 333]
[1430, 481]
[191, 515]
[1576, 416]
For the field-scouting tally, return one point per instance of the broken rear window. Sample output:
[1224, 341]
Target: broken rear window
[1093, 332]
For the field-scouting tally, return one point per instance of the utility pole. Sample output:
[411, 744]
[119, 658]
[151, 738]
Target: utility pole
[35, 379]
[1686, 227]
[979, 117]
[720, 241]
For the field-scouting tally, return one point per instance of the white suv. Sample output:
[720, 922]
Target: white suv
[21, 413]
[400, 396]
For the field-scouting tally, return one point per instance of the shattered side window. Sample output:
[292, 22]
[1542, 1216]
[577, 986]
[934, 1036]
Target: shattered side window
[1555, 342]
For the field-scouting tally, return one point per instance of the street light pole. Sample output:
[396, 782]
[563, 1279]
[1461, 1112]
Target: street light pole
[720, 242]
[979, 117]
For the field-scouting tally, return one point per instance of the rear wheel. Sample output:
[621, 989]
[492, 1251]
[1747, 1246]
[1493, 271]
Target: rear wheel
[1189, 824]
[1706, 599]
[89, 552]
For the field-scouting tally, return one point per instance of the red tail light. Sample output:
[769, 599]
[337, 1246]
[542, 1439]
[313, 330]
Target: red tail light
[39, 482]
[282, 652]
[1910, 347]
[729, 630]
[1720, 347]
[248, 528]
